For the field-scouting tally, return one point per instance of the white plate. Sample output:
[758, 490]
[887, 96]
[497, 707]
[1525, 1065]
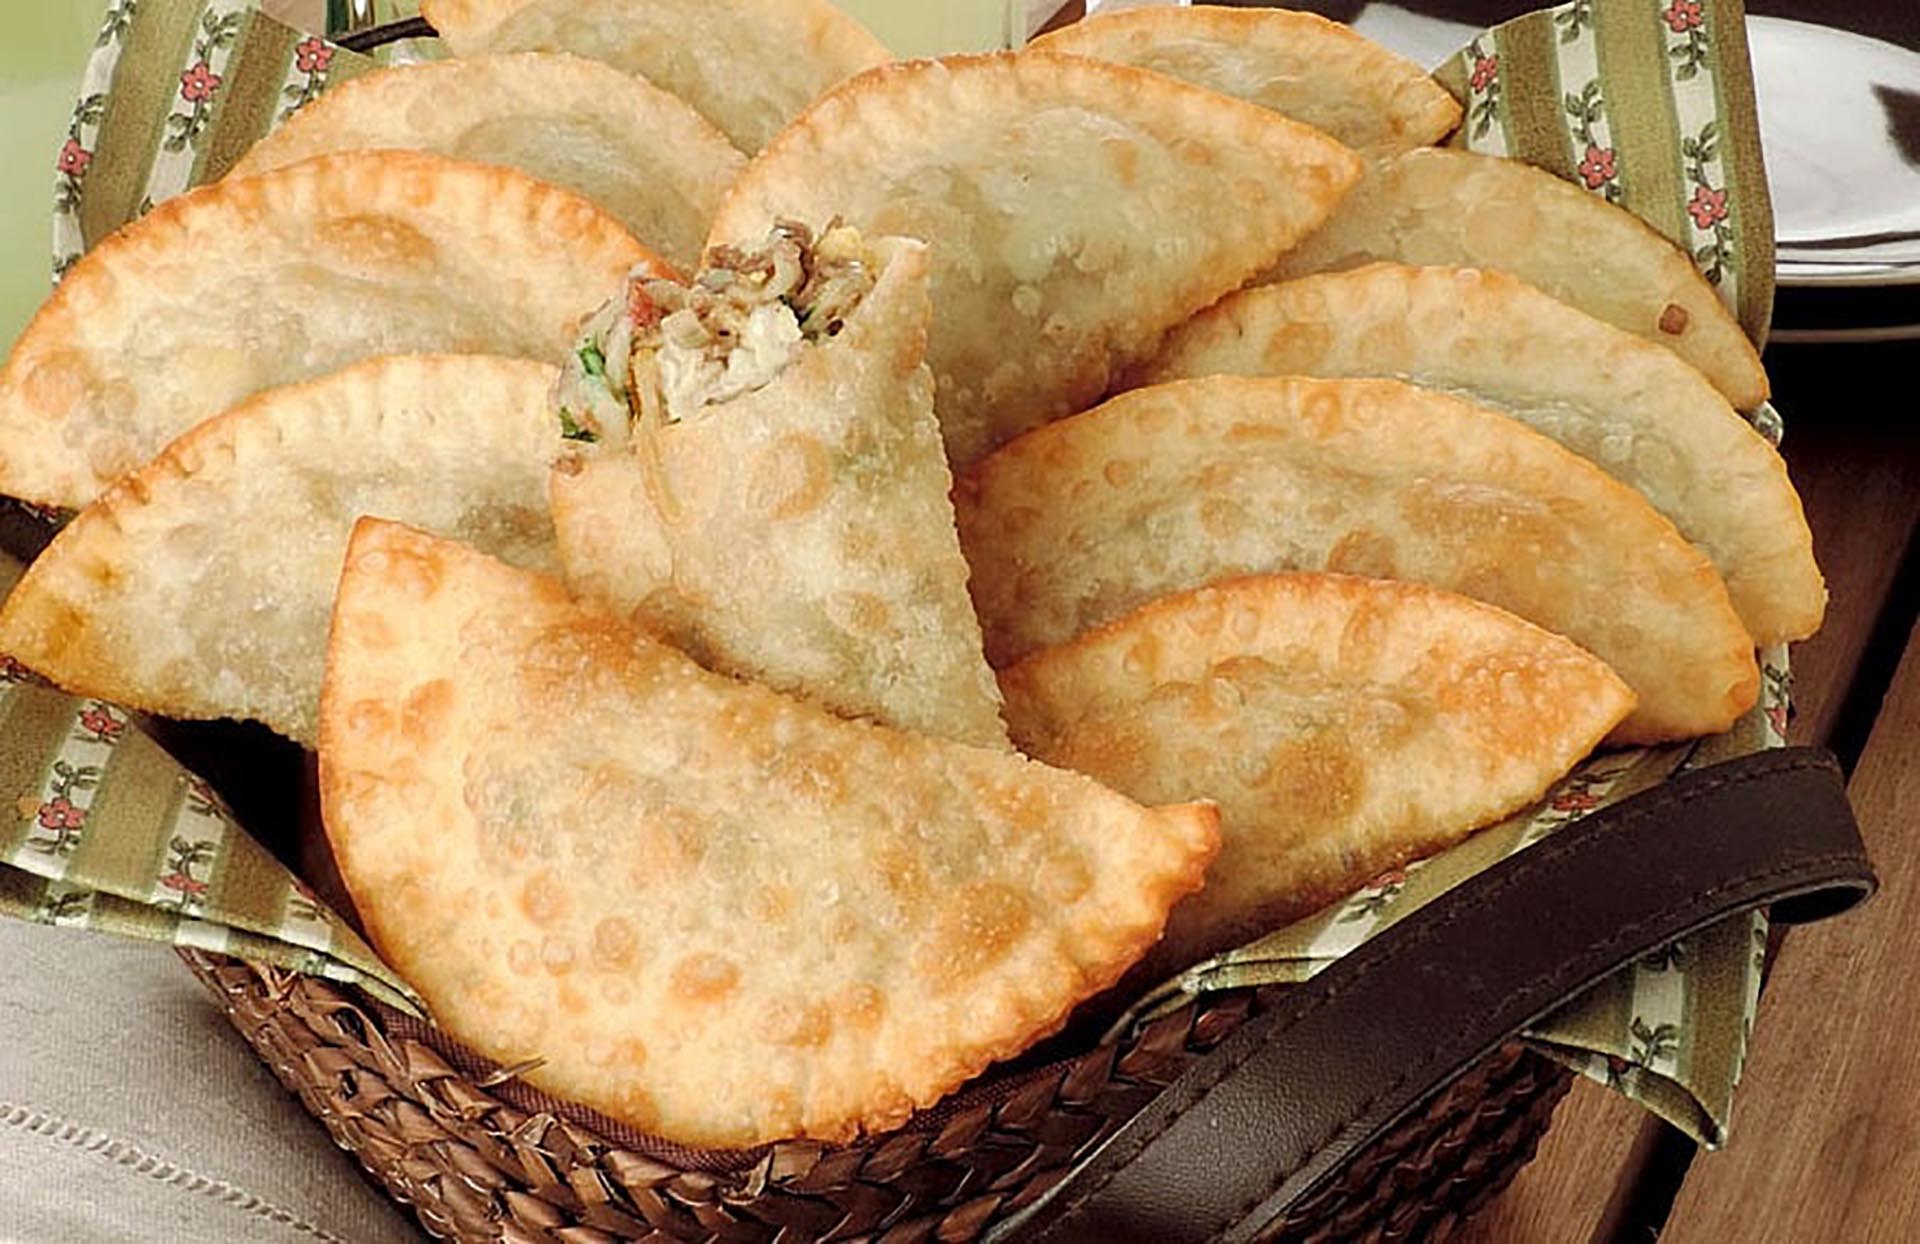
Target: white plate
[1846, 196]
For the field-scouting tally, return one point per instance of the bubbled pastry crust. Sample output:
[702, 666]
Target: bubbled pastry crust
[801, 534]
[1299, 64]
[244, 285]
[1631, 408]
[1182, 484]
[713, 912]
[1482, 211]
[1344, 725]
[1076, 210]
[746, 65]
[652, 162]
[235, 533]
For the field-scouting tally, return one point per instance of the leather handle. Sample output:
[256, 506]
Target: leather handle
[367, 39]
[1265, 1119]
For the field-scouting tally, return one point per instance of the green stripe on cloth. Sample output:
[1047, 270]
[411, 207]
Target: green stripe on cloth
[123, 846]
[347, 66]
[1536, 119]
[248, 887]
[144, 83]
[21, 893]
[1605, 1015]
[1745, 165]
[1634, 69]
[338, 967]
[133, 815]
[1723, 957]
[125, 918]
[33, 723]
[250, 98]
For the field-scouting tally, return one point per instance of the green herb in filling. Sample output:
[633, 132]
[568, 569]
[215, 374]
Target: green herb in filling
[571, 430]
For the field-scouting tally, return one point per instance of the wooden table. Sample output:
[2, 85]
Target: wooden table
[1825, 1144]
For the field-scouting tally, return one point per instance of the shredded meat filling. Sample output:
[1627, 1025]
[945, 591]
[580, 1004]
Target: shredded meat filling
[669, 351]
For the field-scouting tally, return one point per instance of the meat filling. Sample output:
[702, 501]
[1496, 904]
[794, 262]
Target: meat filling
[669, 351]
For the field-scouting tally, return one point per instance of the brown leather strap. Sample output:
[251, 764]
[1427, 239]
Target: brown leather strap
[380, 36]
[1268, 1117]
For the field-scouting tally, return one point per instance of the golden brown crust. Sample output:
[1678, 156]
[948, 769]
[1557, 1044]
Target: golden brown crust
[1182, 484]
[747, 65]
[200, 585]
[1298, 64]
[1344, 725]
[1077, 210]
[716, 913]
[244, 285]
[1632, 408]
[1446, 207]
[651, 161]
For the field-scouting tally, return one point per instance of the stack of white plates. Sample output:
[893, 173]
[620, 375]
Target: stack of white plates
[1840, 114]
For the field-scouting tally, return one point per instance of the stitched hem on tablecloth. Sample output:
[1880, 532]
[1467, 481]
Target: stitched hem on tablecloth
[53, 1127]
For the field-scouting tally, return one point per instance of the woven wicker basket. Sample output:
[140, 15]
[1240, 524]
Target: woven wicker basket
[1384, 1100]
[475, 1166]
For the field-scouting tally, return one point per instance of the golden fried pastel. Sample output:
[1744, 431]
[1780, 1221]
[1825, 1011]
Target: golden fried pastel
[1447, 207]
[1345, 726]
[798, 533]
[652, 162]
[200, 586]
[1076, 210]
[262, 281]
[1184, 484]
[1631, 408]
[1299, 64]
[746, 65]
[713, 912]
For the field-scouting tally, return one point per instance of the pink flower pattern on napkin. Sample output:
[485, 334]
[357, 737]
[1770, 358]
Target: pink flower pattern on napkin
[1682, 16]
[1598, 167]
[1708, 207]
[312, 55]
[59, 813]
[198, 84]
[100, 723]
[74, 158]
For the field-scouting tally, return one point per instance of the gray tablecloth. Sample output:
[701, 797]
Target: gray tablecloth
[130, 1113]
